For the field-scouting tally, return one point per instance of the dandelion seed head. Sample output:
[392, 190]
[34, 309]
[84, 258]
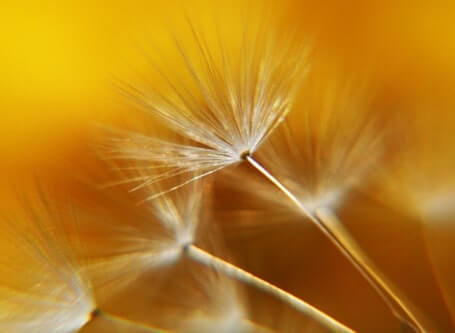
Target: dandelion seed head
[54, 295]
[225, 102]
[169, 223]
[62, 311]
[318, 168]
[327, 148]
[179, 212]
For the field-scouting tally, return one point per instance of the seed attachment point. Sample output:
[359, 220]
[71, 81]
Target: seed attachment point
[186, 247]
[95, 313]
[245, 154]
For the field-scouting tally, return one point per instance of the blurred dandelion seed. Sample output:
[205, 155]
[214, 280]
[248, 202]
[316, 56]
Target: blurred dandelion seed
[340, 237]
[420, 183]
[338, 152]
[179, 213]
[54, 294]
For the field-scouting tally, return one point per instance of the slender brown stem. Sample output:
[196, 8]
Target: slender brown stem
[239, 274]
[352, 251]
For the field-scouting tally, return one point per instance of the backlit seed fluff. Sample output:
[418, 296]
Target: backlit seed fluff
[231, 98]
[330, 145]
[157, 242]
[53, 295]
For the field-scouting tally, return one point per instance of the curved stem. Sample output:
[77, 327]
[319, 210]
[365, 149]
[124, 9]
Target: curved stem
[351, 250]
[239, 274]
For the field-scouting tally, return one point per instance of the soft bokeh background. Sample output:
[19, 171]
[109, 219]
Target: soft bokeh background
[58, 68]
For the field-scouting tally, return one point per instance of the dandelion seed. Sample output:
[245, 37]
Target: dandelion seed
[179, 214]
[349, 164]
[234, 101]
[43, 286]
[171, 224]
[325, 220]
[341, 144]
[320, 153]
[419, 183]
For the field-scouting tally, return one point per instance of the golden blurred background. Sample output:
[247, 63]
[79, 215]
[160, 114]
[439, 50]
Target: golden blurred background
[59, 61]
[58, 68]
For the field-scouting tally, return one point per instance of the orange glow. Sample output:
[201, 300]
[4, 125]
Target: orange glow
[60, 63]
